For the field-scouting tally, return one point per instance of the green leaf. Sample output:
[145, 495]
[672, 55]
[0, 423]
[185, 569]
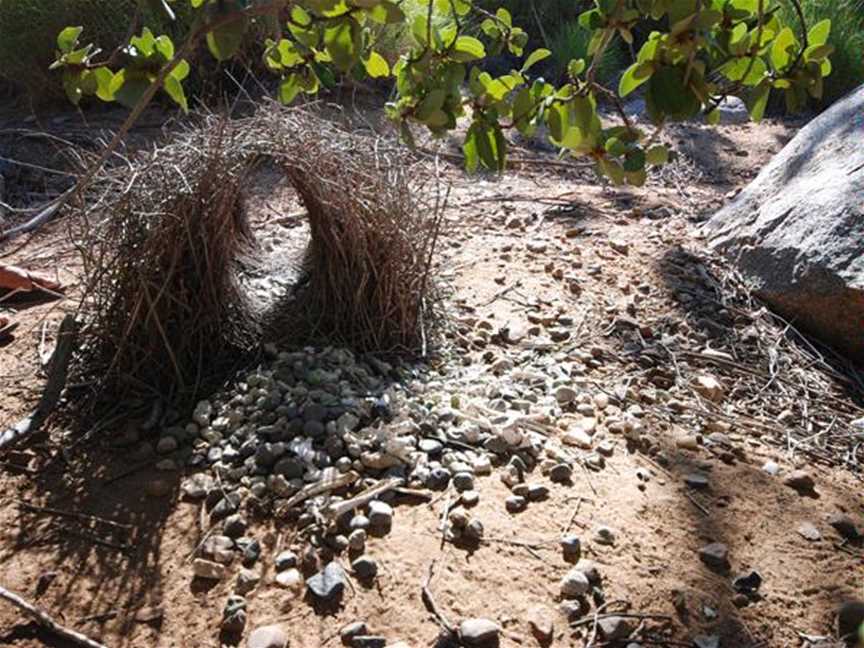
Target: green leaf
[468, 48]
[174, 89]
[127, 87]
[376, 65]
[576, 67]
[470, 150]
[72, 86]
[758, 101]
[67, 40]
[289, 89]
[657, 155]
[225, 41]
[535, 57]
[633, 77]
[145, 43]
[818, 34]
[342, 42]
[615, 147]
[780, 49]
[103, 77]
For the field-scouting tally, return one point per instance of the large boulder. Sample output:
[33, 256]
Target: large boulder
[797, 231]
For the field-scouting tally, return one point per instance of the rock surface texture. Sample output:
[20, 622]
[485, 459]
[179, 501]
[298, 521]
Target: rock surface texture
[797, 231]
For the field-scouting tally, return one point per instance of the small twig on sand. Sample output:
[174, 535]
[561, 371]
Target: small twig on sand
[572, 520]
[45, 620]
[71, 514]
[431, 606]
[443, 525]
[696, 503]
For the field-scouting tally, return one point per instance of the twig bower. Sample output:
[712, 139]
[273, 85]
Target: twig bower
[167, 239]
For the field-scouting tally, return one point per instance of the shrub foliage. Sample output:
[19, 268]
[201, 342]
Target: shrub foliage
[705, 50]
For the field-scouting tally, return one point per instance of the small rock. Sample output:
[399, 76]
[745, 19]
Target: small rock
[687, 443]
[709, 388]
[747, 583]
[291, 579]
[565, 395]
[801, 482]
[561, 474]
[365, 567]
[352, 630]
[706, 641]
[696, 480]
[380, 516]
[458, 518]
[537, 492]
[272, 636]
[197, 486]
[604, 535]
[474, 530]
[715, 555]
[329, 583]
[247, 580]
[541, 624]
[149, 614]
[478, 632]
[235, 526]
[357, 540]
[614, 628]
[285, 560]
[577, 437]
[515, 504]
[589, 568]
[571, 545]
[359, 522]
[208, 569]
[574, 584]
[771, 467]
[844, 525]
[463, 481]
[808, 531]
[234, 614]
[470, 498]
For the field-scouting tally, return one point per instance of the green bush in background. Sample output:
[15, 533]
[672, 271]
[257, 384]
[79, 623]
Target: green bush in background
[570, 41]
[28, 37]
[847, 37]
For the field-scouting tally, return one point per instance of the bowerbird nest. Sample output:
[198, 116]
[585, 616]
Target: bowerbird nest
[166, 242]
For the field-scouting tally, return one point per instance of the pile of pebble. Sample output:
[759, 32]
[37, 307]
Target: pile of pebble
[304, 419]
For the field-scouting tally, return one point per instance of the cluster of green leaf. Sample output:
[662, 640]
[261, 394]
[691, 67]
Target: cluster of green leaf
[708, 49]
[847, 39]
[29, 29]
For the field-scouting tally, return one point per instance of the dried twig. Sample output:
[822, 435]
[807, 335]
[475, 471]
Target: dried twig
[77, 516]
[431, 606]
[44, 619]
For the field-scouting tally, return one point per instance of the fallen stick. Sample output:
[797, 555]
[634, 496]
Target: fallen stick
[318, 489]
[431, 606]
[335, 511]
[45, 620]
[71, 514]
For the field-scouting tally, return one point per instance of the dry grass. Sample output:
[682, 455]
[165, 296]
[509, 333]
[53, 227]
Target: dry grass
[164, 248]
[162, 291]
[374, 226]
